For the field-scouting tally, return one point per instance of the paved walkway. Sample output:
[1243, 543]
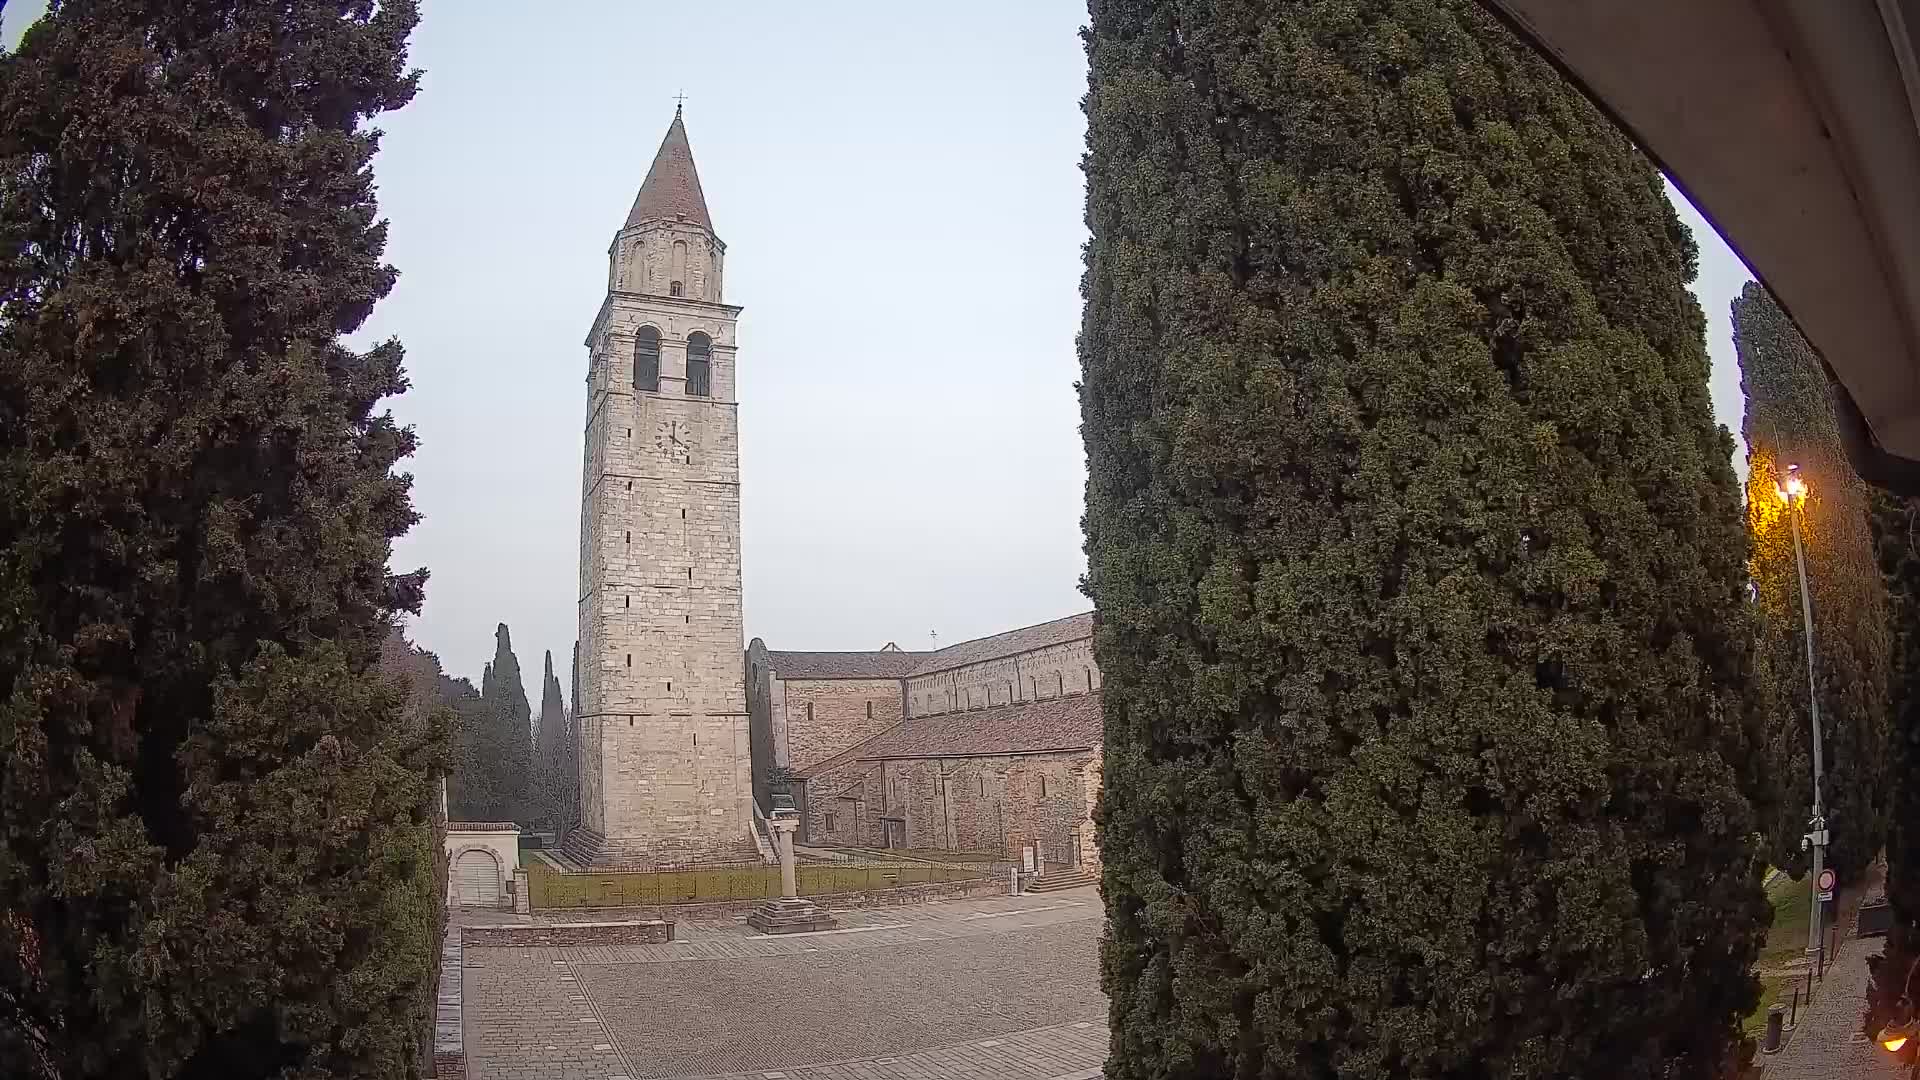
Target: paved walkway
[992, 987]
[1064, 1052]
[1827, 1043]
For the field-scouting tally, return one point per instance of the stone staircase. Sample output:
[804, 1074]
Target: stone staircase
[1061, 878]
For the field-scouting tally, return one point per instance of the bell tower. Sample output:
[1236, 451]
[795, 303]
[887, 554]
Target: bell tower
[664, 762]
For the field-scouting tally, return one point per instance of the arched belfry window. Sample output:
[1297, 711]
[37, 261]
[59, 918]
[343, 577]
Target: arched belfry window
[646, 360]
[699, 365]
[674, 288]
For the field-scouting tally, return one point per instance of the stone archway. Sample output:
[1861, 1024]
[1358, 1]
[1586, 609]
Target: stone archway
[477, 878]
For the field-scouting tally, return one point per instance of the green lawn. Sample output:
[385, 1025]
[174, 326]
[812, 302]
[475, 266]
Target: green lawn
[1787, 938]
[1772, 988]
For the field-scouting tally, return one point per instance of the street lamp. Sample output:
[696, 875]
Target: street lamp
[1794, 492]
[1896, 1036]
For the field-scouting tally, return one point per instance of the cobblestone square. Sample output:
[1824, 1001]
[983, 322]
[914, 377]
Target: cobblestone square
[1000, 988]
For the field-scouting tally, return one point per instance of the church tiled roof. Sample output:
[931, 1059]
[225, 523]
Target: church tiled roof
[672, 187]
[1025, 727]
[1025, 639]
[892, 663]
[876, 664]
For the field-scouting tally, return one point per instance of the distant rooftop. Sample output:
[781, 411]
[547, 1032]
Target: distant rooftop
[877, 664]
[1025, 639]
[892, 662]
[1056, 724]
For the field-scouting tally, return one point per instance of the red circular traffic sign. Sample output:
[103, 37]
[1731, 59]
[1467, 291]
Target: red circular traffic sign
[1826, 881]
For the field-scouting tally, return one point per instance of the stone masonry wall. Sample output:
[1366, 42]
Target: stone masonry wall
[1030, 676]
[985, 804]
[826, 716]
[644, 259]
[665, 760]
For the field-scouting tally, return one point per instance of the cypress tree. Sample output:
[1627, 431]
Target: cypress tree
[217, 858]
[1790, 420]
[550, 748]
[572, 764]
[508, 747]
[1896, 528]
[1418, 559]
[427, 704]
[470, 793]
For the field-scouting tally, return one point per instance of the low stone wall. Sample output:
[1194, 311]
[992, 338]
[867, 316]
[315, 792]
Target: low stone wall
[566, 935]
[919, 894]
[449, 1042]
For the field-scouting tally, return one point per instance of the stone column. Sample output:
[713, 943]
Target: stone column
[783, 840]
[791, 913]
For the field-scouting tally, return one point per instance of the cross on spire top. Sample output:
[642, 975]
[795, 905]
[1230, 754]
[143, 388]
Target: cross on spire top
[679, 100]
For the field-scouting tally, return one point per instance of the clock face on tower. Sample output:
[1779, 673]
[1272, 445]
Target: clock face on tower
[671, 438]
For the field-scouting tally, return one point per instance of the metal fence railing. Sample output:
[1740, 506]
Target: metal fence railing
[549, 888]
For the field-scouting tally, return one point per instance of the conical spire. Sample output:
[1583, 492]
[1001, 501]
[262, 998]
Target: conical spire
[672, 185]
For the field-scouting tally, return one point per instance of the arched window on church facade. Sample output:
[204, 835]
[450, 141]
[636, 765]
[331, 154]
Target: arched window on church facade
[699, 365]
[646, 360]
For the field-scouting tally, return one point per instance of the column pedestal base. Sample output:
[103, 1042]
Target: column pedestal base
[790, 915]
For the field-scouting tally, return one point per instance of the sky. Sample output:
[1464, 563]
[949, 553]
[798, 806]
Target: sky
[903, 226]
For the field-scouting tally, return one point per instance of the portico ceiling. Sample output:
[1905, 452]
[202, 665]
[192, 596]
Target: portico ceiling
[1794, 126]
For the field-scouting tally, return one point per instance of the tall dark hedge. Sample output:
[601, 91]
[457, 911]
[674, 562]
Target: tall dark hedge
[216, 853]
[1418, 558]
[1790, 420]
[552, 793]
[427, 702]
[508, 746]
[494, 763]
[1896, 532]
[572, 755]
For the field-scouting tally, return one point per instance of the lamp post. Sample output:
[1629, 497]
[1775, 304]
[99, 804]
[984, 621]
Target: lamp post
[1793, 492]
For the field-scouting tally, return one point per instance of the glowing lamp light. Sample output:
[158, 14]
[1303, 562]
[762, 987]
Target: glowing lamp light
[1795, 488]
[1898, 1035]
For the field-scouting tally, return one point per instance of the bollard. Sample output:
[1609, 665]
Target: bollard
[1776, 1014]
[1793, 1017]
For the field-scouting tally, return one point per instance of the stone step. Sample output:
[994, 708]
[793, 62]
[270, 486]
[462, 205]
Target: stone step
[1060, 880]
[790, 915]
